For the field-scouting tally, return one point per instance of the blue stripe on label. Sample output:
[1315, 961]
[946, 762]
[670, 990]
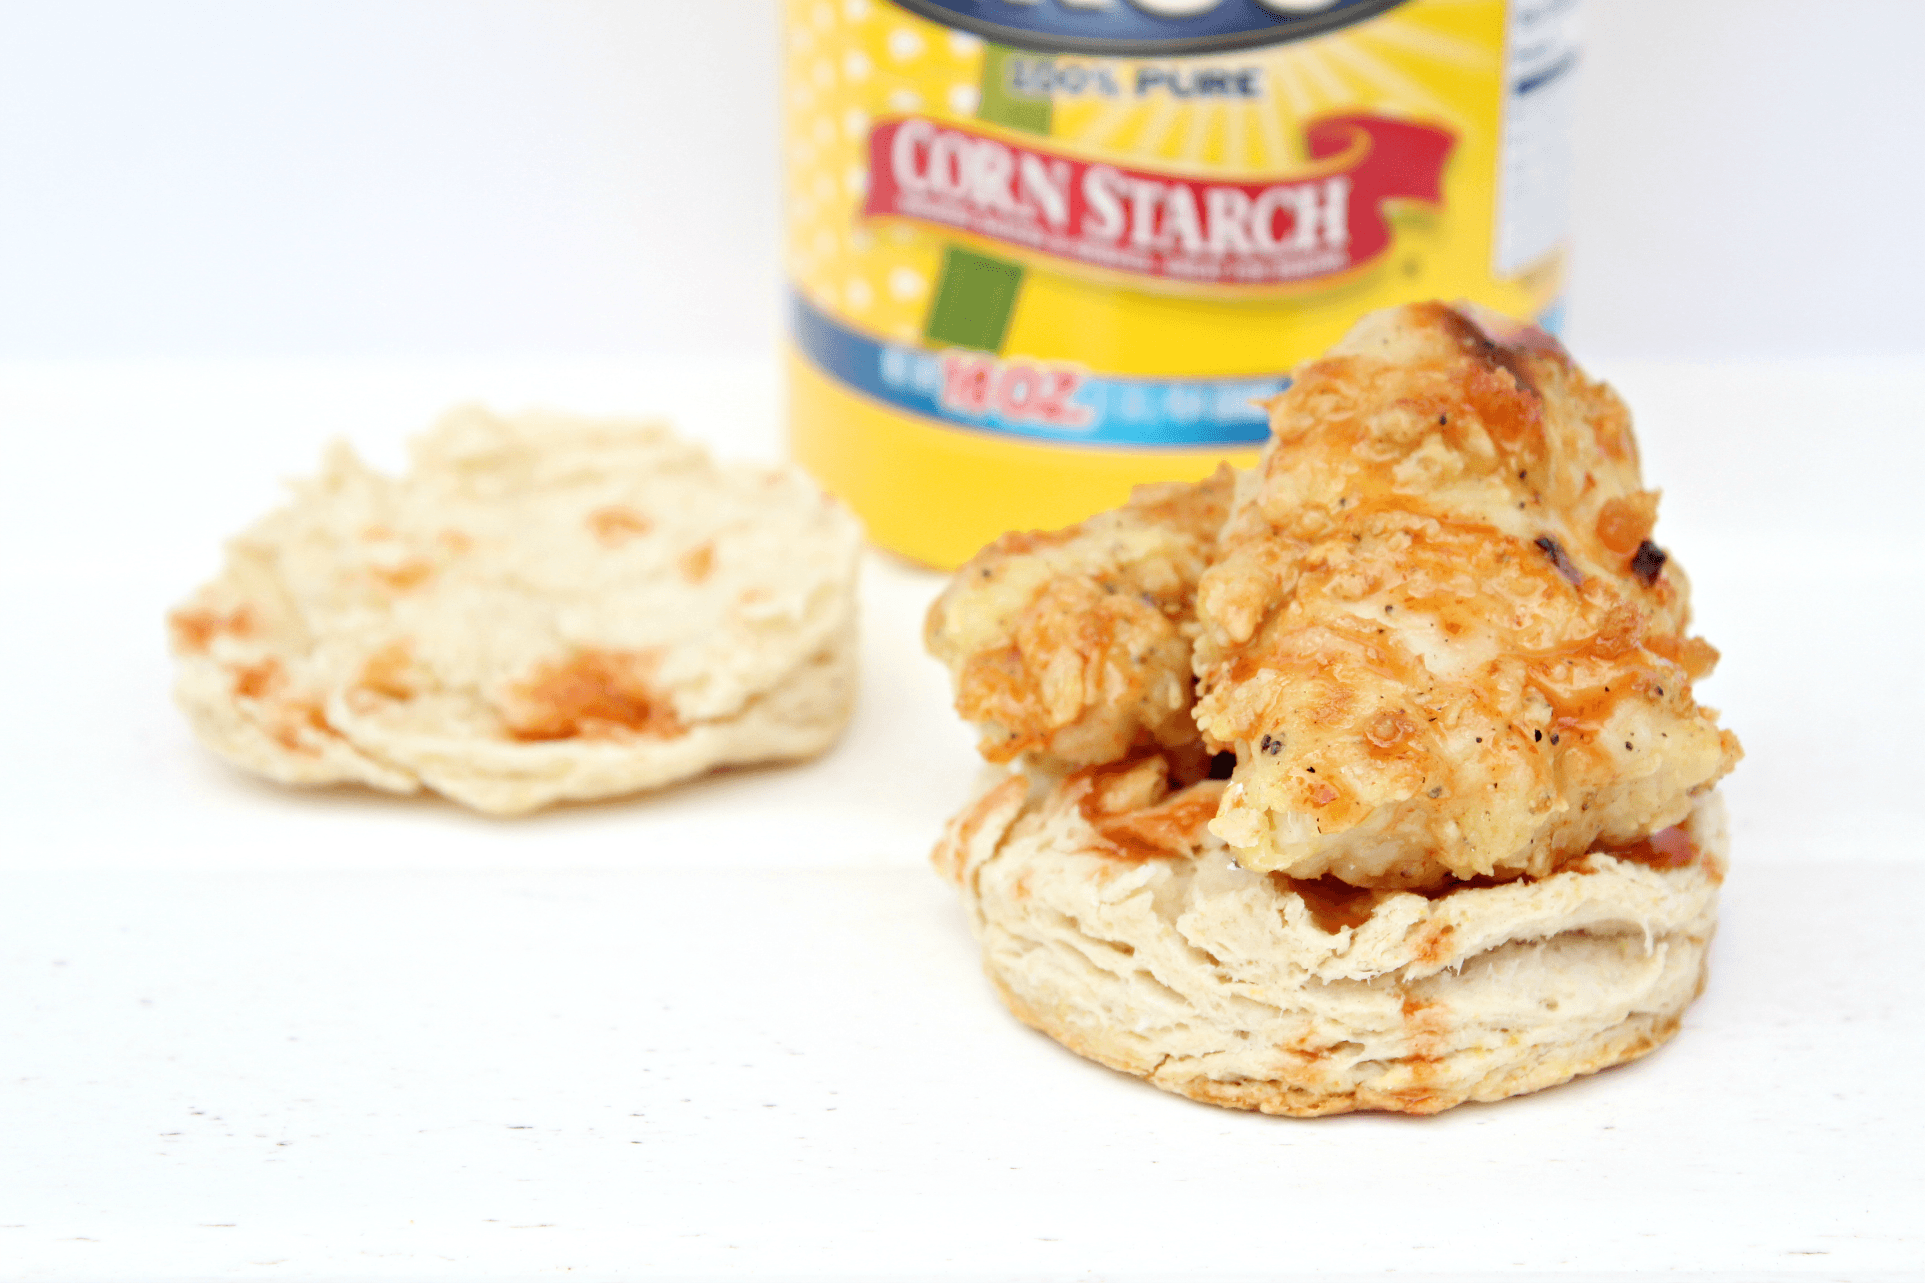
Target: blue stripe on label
[1038, 399]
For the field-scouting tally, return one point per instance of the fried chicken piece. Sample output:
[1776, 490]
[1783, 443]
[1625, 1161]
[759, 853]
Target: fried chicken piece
[1437, 633]
[1070, 648]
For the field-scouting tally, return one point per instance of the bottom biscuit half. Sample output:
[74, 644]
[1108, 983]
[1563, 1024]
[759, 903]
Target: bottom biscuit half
[1230, 988]
[454, 743]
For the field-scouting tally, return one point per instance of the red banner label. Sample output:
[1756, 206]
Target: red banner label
[1178, 228]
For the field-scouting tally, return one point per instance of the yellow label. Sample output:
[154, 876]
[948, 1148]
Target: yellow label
[1041, 252]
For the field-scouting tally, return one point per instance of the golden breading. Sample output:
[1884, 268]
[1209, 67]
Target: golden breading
[1436, 632]
[1072, 647]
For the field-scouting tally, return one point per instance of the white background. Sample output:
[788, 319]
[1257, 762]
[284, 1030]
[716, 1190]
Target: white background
[737, 1030]
[437, 177]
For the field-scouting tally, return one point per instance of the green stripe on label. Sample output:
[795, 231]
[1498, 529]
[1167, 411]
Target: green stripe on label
[1000, 107]
[975, 295]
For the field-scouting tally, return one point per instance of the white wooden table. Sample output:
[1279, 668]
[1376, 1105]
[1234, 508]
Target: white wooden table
[738, 1030]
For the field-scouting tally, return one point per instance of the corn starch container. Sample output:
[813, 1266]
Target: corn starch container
[1045, 250]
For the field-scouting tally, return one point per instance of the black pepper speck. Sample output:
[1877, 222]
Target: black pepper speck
[1559, 558]
[1647, 563]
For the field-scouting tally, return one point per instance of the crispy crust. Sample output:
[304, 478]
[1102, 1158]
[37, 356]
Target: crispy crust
[1435, 629]
[1072, 646]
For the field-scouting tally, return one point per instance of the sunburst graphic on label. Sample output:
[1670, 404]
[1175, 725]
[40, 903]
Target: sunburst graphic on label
[848, 63]
[1214, 112]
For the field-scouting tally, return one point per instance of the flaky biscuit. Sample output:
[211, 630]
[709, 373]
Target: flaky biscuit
[1125, 930]
[544, 608]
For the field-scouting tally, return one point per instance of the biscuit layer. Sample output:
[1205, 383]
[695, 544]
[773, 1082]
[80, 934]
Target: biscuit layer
[1250, 990]
[544, 608]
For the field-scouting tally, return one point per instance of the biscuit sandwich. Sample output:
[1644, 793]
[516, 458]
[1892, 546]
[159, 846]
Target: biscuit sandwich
[1370, 778]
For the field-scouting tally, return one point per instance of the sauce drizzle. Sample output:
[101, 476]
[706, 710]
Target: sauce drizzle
[1670, 848]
